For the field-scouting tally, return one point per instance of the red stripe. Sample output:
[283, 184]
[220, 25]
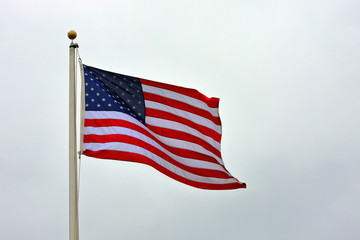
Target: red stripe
[122, 123]
[172, 117]
[182, 106]
[156, 151]
[108, 123]
[211, 102]
[134, 157]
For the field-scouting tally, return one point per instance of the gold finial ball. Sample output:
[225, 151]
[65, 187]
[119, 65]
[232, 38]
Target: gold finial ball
[72, 34]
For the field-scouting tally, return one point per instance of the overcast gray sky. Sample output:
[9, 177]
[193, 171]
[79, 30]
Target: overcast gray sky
[287, 73]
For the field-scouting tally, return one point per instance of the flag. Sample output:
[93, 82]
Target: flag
[175, 130]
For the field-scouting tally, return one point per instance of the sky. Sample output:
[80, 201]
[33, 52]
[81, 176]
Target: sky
[288, 78]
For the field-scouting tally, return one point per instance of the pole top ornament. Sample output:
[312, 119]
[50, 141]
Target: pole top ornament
[72, 35]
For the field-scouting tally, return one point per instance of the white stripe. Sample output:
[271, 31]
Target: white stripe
[178, 171]
[151, 121]
[188, 115]
[111, 115]
[167, 141]
[158, 122]
[180, 97]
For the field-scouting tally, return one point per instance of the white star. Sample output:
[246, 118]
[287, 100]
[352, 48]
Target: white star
[91, 79]
[92, 89]
[98, 105]
[97, 94]
[92, 100]
[109, 104]
[86, 94]
[103, 99]
[86, 74]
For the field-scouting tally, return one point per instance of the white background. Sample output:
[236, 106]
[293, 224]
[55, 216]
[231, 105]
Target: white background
[287, 74]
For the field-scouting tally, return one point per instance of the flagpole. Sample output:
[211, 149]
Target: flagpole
[73, 178]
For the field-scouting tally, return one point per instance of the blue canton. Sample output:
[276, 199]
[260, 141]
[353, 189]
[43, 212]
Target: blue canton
[107, 91]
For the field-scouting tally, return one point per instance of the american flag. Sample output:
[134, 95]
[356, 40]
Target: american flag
[175, 130]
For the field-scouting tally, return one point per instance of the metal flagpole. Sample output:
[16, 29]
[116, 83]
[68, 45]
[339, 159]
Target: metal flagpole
[73, 188]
